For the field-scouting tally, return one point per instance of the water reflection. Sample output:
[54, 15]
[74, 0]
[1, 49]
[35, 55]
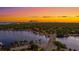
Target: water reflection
[71, 42]
[10, 36]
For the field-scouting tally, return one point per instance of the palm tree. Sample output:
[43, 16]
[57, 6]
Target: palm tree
[25, 41]
[70, 49]
[33, 46]
[39, 41]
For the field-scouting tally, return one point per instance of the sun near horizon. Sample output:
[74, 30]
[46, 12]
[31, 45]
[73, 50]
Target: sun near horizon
[39, 14]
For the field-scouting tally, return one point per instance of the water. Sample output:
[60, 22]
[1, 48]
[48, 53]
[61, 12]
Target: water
[6, 37]
[71, 42]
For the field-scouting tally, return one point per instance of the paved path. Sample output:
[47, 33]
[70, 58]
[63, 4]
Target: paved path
[19, 48]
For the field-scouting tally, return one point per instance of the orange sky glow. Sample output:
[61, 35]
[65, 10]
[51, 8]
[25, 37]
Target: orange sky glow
[40, 14]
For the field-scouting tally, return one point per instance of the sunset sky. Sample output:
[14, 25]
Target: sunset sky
[41, 14]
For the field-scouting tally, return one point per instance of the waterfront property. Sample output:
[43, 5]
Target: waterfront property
[14, 36]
